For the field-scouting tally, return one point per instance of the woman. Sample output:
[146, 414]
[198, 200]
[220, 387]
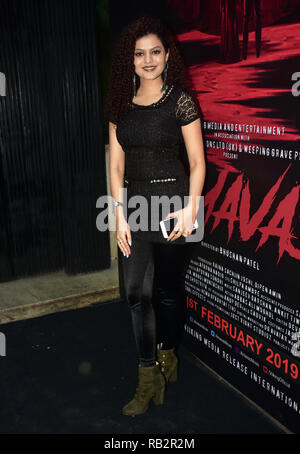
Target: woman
[150, 111]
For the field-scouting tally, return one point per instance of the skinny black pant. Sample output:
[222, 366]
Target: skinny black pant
[154, 290]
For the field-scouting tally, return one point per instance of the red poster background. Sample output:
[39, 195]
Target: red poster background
[249, 98]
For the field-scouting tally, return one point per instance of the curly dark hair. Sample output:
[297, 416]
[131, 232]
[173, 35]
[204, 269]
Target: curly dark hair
[120, 85]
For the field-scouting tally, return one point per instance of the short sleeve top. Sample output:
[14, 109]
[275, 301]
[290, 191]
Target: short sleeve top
[186, 110]
[151, 137]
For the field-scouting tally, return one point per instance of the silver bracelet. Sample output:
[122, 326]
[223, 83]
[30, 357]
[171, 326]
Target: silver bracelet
[118, 203]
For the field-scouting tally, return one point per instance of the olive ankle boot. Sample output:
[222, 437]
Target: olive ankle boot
[151, 386]
[168, 363]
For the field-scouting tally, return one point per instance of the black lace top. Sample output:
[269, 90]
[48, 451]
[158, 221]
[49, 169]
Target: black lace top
[150, 137]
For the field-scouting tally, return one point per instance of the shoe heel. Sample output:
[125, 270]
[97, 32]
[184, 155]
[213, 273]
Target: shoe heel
[159, 396]
[174, 375]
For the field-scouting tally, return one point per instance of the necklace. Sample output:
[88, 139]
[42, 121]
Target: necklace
[166, 93]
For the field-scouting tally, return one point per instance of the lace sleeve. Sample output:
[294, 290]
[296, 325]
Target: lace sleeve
[186, 110]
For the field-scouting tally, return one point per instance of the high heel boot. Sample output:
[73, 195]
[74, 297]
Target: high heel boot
[168, 363]
[151, 386]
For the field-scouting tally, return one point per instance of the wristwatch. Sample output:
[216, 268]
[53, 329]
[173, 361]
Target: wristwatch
[117, 203]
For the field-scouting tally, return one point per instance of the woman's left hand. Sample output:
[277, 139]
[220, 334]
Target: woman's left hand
[185, 223]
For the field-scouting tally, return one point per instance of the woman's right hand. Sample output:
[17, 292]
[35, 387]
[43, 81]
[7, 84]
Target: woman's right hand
[123, 235]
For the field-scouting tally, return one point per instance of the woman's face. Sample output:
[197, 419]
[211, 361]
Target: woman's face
[149, 53]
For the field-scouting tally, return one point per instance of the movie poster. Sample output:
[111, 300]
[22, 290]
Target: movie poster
[243, 284]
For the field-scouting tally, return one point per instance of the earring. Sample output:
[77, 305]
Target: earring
[134, 85]
[163, 87]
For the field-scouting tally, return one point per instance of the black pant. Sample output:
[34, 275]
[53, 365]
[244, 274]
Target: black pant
[154, 290]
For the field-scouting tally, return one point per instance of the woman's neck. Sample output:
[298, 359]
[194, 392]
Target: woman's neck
[150, 87]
